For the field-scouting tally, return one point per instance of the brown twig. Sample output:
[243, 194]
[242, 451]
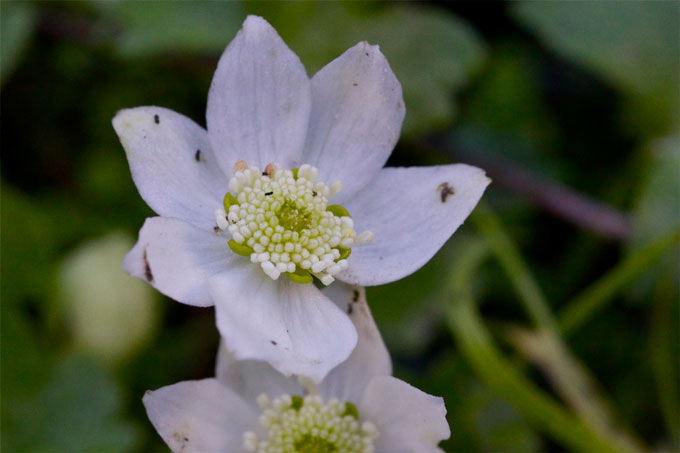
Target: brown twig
[558, 199]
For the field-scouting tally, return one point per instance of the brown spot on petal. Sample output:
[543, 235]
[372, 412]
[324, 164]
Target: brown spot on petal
[445, 191]
[147, 269]
[355, 296]
[269, 169]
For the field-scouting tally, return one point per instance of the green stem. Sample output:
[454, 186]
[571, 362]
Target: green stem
[540, 409]
[596, 296]
[505, 250]
[663, 341]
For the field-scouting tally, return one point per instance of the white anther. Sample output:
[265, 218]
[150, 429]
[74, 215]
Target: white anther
[347, 222]
[326, 279]
[235, 185]
[270, 270]
[319, 266]
[335, 188]
[366, 237]
[221, 219]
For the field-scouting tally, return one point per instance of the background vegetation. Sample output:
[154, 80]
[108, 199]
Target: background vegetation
[548, 322]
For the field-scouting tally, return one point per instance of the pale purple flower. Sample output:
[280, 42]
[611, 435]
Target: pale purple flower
[327, 137]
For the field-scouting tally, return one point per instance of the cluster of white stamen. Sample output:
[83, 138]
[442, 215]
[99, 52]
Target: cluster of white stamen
[282, 221]
[296, 424]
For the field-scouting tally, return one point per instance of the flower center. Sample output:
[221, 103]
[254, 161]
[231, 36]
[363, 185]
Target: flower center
[306, 425]
[281, 219]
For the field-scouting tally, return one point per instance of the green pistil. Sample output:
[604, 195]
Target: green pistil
[338, 210]
[240, 249]
[297, 403]
[312, 444]
[229, 200]
[295, 172]
[351, 409]
[344, 254]
[300, 276]
[292, 218]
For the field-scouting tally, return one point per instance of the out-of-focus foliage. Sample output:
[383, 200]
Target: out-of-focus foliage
[432, 53]
[657, 209]
[77, 410]
[16, 23]
[100, 299]
[584, 94]
[151, 28]
[633, 44]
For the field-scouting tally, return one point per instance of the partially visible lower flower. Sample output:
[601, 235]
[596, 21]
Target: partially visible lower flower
[249, 407]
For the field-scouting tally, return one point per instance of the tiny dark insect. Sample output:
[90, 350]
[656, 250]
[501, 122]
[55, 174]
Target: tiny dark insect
[216, 229]
[314, 194]
[355, 296]
[156, 119]
[197, 156]
[445, 191]
[266, 194]
[147, 269]
[350, 309]
[273, 342]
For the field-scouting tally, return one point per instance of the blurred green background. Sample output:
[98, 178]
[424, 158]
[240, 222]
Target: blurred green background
[548, 322]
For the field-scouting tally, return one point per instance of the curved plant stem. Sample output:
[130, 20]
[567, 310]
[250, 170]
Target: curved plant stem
[505, 250]
[496, 372]
[596, 296]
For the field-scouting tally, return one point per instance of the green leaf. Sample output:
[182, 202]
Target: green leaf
[28, 245]
[657, 212]
[479, 419]
[506, 113]
[152, 28]
[432, 52]
[75, 411]
[632, 44]
[17, 22]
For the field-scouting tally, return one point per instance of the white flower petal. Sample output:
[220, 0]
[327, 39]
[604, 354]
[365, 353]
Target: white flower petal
[412, 212]
[409, 421]
[292, 326]
[200, 416]
[172, 164]
[357, 111]
[178, 259]
[370, 358]
[249, 378]
[259, 100]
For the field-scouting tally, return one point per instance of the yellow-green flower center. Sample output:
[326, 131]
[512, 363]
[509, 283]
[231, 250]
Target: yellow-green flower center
[294, 424]
[281, 219]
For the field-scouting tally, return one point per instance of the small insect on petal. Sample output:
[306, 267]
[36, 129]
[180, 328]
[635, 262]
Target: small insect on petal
[445, 191]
